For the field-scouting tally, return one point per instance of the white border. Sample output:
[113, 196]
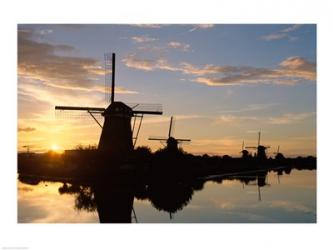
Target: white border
[164, 236]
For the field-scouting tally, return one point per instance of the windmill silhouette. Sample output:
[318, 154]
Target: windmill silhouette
[261, 149]
[171, 142]
[27, 147]
[261, 181]
[117, 134]
[244, 152]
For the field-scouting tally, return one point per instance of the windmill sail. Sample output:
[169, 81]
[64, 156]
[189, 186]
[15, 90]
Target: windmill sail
[146, 108]
[92, 109]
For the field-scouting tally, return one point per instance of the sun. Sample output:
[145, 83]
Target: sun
[55, 148]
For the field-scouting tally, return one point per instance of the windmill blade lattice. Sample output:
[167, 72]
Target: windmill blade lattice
[108, 76]
[145, 108]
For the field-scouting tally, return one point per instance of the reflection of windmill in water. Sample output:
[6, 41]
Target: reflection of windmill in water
[280, 157]
[171, 142]
[261, 149]
[117, 133]
[261, 182]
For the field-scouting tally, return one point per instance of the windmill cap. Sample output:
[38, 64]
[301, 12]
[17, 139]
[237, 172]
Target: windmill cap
[118, 108]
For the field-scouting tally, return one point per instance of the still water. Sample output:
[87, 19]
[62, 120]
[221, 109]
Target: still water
[285, 199]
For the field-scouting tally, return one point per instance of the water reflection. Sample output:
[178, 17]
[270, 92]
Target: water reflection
[113, 198]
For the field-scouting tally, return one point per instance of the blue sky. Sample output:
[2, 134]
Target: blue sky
[222, 82]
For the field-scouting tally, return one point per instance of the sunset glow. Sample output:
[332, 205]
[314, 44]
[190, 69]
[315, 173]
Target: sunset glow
[222, 83]
[55, 147]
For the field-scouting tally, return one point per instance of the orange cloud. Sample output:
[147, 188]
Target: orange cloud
[178, 45]
[289, 72]
[39, 61]
[283, 119]
[26, 129]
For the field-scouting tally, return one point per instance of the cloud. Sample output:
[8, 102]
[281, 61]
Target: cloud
[40, 61]
[284, 119]
[251, 107]
[162, 49]
[291, 28]
[190, 69]
[71, 26]
[289, 72]
[149, 25]
[143, 39]
[26, 129]
[178, 45]
[132, 61]
[233, 119]
[284, 33]
[218, 146]
[164, 119]
[290, 206]
[289, 118]
[201, 26]
[274, 36]
[298, 67]
[45, 31]
[158, 26]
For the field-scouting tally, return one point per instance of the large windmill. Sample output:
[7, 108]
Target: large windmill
[117, 134]
[261, 149]
[171, 142]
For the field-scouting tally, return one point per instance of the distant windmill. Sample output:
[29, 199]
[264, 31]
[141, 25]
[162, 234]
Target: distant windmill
[117, 134]
[245, 153]
[172, 143]
[278, 155]
[261, 150]
[27, 147]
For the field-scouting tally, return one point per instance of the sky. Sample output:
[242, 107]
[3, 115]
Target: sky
[222, 83]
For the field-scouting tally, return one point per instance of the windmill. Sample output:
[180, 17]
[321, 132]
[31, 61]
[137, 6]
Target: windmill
[245, 153]
[278, 155]
[261, 150]
[117, 133]
[27, 147]
[171, 142]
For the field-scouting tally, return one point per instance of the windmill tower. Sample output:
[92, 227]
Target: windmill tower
[261, 150]
[171, 142]
[117, 134]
